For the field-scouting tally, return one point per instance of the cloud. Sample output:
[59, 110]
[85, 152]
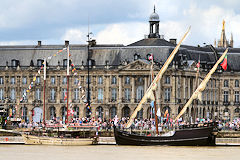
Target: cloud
[122, 33]
[76, 36]
[112, 21]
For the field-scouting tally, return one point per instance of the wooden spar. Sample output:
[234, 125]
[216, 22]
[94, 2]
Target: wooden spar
[153, 85]
[44, 87]
[198, 92]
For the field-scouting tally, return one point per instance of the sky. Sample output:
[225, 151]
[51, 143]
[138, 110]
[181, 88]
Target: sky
[24, 22]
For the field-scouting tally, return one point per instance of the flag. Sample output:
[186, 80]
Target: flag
[166, 112]
[34, 79]
[150, 57]
[30, 87]
[60, 51]
[198, 64]
[50, 57]
[65, 97]
[224, 63]
[39, 71]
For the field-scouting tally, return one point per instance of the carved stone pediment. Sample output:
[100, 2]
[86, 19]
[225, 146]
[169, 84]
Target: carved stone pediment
[137, 65]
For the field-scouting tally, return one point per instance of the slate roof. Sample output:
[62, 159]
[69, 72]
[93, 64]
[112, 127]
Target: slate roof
[115, 54]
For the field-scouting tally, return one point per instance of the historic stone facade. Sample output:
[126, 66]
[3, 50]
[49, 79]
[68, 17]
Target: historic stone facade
[119, 76]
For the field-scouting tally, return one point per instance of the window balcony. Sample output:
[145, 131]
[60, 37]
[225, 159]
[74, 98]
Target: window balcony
[204, 102]
[236, 103]
[63, 101]
[76, 101]
[226, 103]
[52, 101]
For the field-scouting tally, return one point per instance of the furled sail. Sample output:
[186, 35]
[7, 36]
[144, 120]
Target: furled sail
[198, 92]
[153, 85]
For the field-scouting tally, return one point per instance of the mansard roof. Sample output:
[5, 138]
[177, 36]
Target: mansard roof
[115, 55]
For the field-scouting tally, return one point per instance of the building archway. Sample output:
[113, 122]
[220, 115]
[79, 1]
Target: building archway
[236, 113]
[99, 112]
[125, 111]
[75, 112]
[52, 111]
[38, 114]
[140, 114]
[63, 113]
[113, 112]
[23, 112]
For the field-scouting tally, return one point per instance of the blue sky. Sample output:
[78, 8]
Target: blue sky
[112, 21]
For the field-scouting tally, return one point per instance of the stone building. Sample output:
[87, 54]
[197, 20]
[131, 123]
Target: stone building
[119, 76]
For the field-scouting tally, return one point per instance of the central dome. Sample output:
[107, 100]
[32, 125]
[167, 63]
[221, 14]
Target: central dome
[154, 17]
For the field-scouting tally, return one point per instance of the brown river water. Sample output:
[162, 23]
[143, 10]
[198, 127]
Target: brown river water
[115, 152]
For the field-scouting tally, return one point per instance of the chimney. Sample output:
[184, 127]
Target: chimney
[39, 43]
[173, 41]
[66, 43]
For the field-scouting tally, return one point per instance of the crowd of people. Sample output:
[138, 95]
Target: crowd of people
[138, 124]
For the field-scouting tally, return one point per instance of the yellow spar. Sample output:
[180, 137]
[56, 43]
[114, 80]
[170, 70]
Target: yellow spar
[198, 92]
[153, 86]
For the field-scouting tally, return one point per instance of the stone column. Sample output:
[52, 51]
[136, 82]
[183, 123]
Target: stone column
[145, 84]
[133, 89]
[120, 89]
[107, 84]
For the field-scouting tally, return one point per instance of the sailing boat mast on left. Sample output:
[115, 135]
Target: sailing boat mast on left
[66, 120]
[44, 87]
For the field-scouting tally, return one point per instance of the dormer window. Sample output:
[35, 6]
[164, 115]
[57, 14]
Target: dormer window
[15, 63]
[136, 56]
[39, 62]
[65, 63]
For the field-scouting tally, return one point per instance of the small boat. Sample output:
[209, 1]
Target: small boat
[45, 140]
[187, 135]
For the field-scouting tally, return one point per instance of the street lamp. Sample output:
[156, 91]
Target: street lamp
[88, 104]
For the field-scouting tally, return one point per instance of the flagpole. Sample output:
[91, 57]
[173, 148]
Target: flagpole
[66, 121]
[155, 104]
[44, 87]
[196, 84]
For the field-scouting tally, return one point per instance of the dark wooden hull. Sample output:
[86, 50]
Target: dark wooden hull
[196, 136]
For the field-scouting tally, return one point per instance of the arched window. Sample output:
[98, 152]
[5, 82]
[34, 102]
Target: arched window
[166, 110]
[24, 113]
[63, 113]
[99, 112]
[150, 113]
[125, 111]
[113, 112]
[52, 112]
[140, 114]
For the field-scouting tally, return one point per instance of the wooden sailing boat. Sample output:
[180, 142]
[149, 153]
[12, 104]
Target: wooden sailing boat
[188, 135]
[63, 140]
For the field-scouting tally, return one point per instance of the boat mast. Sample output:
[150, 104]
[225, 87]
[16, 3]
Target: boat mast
[155, 104]
[196, 85]
[44, 87]
[66, 121]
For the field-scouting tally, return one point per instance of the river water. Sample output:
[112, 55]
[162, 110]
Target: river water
[115, 152]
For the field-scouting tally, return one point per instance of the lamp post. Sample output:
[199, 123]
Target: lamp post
[88, 105]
